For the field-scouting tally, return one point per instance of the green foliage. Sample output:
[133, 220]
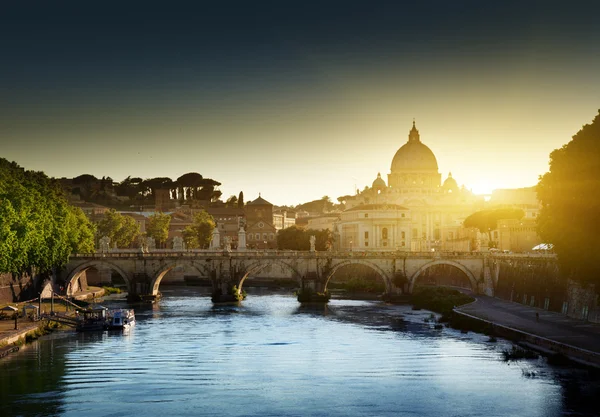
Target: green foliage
[199, 234]
[158, 227]
[487, 220]
[294, 238]
[570, 196]
[38, 228]
[232, 201]
[111, 290]
[439, 299]
[122, 230]
[324, 205]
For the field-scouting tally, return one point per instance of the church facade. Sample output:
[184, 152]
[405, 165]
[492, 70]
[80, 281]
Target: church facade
[414, 211]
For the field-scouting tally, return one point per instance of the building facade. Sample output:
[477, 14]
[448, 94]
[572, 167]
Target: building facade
[415, 210]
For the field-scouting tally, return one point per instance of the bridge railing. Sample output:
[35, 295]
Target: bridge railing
[169, 253]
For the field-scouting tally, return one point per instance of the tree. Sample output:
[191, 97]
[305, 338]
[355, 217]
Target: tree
[158, 227]
[122, 230]
[241, 200]
[294, 238]
[38, 228]
[324, 205]
[188, 185]
[232, 201]
[487, 220]
[159, 183]
[570, 197]
[199, 234]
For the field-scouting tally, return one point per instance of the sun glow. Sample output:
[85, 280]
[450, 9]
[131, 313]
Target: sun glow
[483, 187]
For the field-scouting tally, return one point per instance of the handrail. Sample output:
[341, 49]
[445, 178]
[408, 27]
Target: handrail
[289, 253]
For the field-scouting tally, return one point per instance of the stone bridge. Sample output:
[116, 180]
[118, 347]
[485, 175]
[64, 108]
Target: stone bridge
[399, 271]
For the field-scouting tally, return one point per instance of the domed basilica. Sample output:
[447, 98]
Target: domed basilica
[414, 211]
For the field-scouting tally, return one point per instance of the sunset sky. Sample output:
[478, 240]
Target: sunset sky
[295, 100]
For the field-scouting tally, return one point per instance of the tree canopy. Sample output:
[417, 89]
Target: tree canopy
[158, 227]
[323, 205]
[294, 238]
[38, 228]
[122, 230]
[570, 197]
[487, 220]
[199, 234]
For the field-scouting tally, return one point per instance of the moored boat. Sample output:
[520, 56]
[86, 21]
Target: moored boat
[93, 319]
[121, 319]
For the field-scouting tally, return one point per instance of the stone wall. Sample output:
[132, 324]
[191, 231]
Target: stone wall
[539, 284]
[17, 288]
[583, 303]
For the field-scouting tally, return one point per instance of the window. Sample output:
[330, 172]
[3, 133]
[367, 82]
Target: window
[271, 236]
[264, 236]
[258, 236]
[402, 215]
[403, 235]
[384, 243]
[366, 243]
[366, 215]
[403, 244]
[384, 233]
[585, 312]
[366, 235]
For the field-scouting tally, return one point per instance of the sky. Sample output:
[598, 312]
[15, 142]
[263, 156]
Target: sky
[295, 99]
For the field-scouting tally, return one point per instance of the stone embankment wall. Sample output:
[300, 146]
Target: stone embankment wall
[537, 283]
[18, 287]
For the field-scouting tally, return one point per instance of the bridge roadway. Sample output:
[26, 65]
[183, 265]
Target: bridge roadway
[399, 271]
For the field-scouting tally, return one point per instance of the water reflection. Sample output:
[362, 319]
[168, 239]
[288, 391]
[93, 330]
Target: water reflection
[273, 356]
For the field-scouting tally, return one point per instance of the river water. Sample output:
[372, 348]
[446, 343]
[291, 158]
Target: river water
[272, 357]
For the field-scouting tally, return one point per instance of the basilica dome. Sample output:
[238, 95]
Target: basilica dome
[414, 156]
[379, 183]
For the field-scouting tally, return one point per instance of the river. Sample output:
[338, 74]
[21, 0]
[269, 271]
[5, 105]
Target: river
[272, 357]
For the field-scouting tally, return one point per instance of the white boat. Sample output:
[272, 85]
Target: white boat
[121, 319]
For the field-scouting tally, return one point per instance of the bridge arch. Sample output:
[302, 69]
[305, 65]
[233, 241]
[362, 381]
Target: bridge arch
[76, 273]
[165, 269]
[465, 270]
[373, 266]
[258, 266]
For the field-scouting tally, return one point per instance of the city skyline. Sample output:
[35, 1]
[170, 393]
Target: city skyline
[296, 103]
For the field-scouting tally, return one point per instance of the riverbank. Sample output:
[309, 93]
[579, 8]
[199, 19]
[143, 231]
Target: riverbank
[548, 332]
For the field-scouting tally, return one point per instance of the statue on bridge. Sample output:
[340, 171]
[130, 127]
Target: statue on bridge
[178, 244]
[312, 243]
[227, 243]
[150, 244]
[104, 244]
